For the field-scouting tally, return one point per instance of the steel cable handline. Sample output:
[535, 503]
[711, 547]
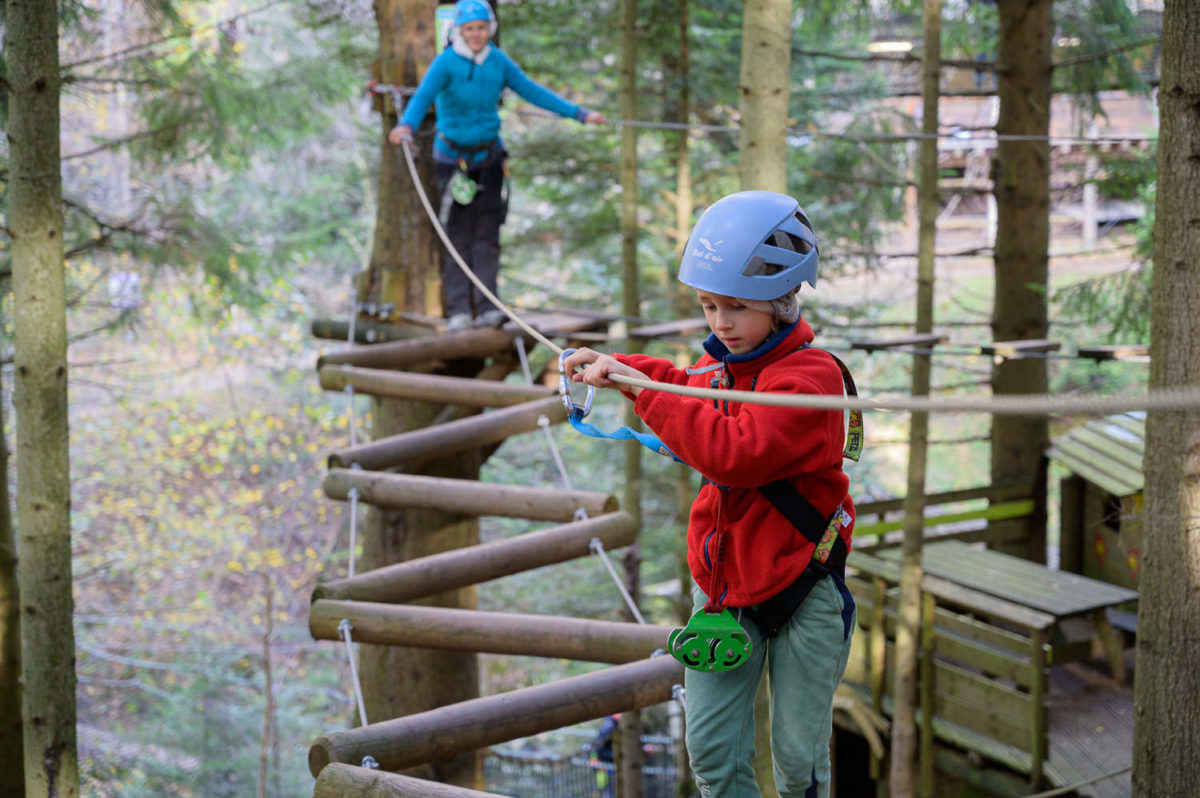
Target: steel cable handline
[1174, 398]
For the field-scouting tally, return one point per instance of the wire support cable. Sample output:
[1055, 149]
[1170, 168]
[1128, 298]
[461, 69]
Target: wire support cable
[352, 495]
[802, 133]
[1170, 398]
[345, 627]
[597, 546]
[544, 422]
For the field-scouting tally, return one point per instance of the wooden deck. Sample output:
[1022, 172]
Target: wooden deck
[1091, 730]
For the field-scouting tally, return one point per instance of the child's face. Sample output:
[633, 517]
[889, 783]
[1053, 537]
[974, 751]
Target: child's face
[740, 327]
[476, 34]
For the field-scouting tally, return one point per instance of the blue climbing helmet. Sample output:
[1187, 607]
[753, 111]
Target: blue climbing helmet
[471, 10]
[751, 245]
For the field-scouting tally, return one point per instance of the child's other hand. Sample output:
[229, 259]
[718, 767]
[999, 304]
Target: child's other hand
[598, 368]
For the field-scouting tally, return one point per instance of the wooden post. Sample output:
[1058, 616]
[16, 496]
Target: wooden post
[429, 387]
[1037, 698]
[404, 354]
[346, 781]
[466, 497]
[471, 725]
[491, 632]
[426, 443]
[426, 576]
[928, 614]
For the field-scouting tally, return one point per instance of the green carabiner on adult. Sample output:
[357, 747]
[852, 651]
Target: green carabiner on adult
[463, 188]
[711, 642]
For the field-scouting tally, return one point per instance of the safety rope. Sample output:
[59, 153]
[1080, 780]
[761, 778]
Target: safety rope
[1171, 398]
[345, 627]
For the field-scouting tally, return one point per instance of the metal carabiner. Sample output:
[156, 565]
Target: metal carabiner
[564, 388]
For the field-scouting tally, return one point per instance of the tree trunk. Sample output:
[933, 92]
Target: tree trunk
[406, 272]
[766, 64]
[902, 777]
[1021, 177]
[1167, 689]
[685, 305]
[762, 164]
[630, 760]
[12, 763]
[40, 400]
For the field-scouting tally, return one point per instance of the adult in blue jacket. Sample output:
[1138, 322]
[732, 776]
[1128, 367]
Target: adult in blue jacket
[464, 84]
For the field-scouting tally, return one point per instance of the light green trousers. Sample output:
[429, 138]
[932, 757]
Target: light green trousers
[805, 662]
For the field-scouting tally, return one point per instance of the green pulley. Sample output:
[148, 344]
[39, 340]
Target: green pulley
[463, 188]
[711, 642]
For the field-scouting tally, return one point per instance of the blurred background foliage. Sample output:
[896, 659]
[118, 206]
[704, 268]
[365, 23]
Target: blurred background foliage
[219, 186]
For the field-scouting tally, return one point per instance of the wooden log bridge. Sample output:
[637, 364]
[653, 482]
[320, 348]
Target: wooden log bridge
[456, 436]
[429, 387]
[466, 497]
[419, 351]
[490, 632]
[426, 576]
[470, 725]
[339, 781]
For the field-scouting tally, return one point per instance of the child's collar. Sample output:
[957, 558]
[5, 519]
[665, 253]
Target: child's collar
[714, 346]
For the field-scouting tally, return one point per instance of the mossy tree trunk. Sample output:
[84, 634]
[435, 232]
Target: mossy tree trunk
[12, 760]
[1021, 183]
[405, 271]
[766, 64]
[40, 400]
[902, 779]
[630, 760]
[1167, 690]
[762, 164]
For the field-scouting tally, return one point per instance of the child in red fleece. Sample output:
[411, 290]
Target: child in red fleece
[771, 526]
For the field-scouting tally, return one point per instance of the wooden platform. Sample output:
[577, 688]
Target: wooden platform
[1091, 730]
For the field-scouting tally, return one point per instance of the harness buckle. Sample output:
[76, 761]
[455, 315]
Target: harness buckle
[564, 389]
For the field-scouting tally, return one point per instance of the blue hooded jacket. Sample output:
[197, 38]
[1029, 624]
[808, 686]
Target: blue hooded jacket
[467, 94]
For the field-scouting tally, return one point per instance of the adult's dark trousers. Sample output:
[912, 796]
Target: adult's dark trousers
[474, 230]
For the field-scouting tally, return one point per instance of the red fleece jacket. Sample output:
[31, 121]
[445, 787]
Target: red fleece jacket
[742, 446]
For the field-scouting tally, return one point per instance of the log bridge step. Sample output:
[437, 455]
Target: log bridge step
[449, 570]
[466, 496]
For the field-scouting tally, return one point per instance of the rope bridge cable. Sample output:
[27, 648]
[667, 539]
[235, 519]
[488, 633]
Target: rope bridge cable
[966, 141]
[1172, 398]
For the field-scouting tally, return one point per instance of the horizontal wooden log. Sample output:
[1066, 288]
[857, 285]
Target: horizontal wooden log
[921, 340]
[998, 491]
[430, 387]
[427, 576]
[443, 439]
[366, 332]
[348, 781]
[487, 632]
[427, 349]
[465, 497]
[470, 725]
